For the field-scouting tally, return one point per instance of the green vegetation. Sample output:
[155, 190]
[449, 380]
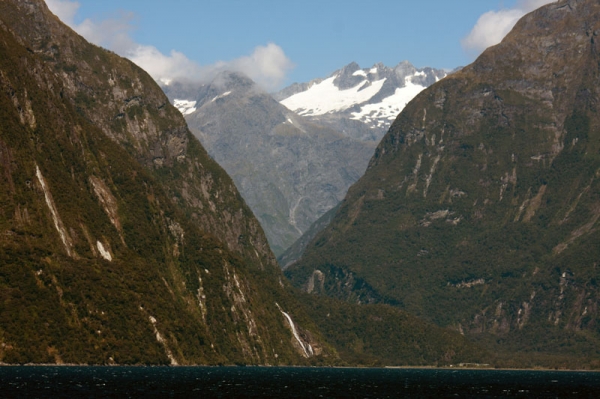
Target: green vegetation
[378, 335]
[129, 246]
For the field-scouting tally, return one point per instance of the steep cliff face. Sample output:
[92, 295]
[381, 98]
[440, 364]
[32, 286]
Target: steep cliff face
[121, 241]
[290, 171]
[127, 105]
[479, 209]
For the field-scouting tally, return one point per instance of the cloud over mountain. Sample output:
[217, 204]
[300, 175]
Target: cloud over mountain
[267, 65]
[492, 26]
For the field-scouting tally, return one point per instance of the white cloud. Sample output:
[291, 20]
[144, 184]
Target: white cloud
[267, 65]
[175, 66]
[492, 26]
[64, 9]
[112, 33]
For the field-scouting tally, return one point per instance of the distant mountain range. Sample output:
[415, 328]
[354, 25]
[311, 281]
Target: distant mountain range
[293, 163]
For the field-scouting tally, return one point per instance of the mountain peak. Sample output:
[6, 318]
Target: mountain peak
[347, 77]
[350, 68]
[380, 66]
[230, 80]
[404, 68]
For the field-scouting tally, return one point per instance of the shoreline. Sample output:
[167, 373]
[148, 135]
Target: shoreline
[457, 368]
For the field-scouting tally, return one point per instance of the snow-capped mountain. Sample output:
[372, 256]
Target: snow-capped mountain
[373, 96]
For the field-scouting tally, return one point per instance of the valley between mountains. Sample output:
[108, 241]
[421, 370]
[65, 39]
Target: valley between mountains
[294, 159]
[421, 216]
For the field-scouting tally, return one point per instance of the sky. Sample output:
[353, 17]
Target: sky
[279, 42]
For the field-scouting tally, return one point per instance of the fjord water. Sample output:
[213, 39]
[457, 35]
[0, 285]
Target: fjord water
[291, 382]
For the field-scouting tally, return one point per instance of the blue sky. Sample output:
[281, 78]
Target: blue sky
[281, 42]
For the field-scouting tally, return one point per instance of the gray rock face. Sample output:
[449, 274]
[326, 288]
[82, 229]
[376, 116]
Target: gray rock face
[289, 170]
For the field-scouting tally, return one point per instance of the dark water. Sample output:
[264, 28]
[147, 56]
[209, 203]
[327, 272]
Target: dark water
[290, 382]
